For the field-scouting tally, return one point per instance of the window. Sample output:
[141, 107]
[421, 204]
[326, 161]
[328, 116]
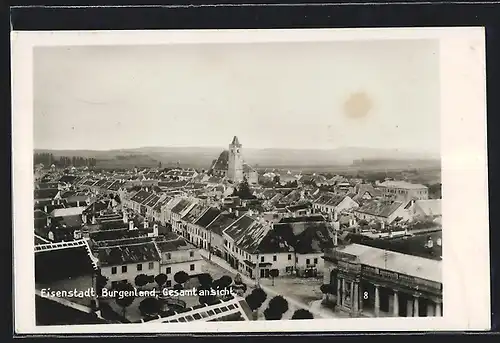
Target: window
[191, 267]
[274, 258]
[168, 256]
[124, 269]
[289, 257]
[315, 261]
[308, 261]
[169, 283]
[168, 270]
[139, 267]
[151, 265]
[262, 259]
[191, 254]
[113, 270]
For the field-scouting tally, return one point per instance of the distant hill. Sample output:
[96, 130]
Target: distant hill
[201, 157]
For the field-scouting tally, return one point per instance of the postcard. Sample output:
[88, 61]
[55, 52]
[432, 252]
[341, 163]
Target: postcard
[282, 180]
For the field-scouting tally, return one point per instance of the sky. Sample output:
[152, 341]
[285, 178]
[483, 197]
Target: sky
[320, 95]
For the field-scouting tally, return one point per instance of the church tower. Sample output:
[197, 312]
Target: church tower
[235, 163]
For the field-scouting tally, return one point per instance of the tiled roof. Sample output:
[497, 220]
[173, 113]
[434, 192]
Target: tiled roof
[61, 264]
[379, 208]
[238, 228]
[181, 206]
[141, 196]
[47, 193]
[128, 254]
[303, 219]
[67, 178]
[307, 237]
[48, 185]
[208, 217]
[252, 237]
[70, 211]
[193, 214]
[223, 221]
[69, 221]
[123, 242]
[172, 184]
[173, 245]
[329, 199]
[401, 184]
[303, 206]
[100, 183]
[430, 207]
[222, 161]
[106, 235]
[152, 201]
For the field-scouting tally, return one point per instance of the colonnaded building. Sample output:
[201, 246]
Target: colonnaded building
[372, 282]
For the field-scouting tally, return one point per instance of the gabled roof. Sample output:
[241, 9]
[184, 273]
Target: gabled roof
[176, 244]
[222, 161]
[181, 206]
[70, 211]
[222, 221]
[379, 208]
[238, 228]
[208, 216]
[194, 213]
[235, 141]
[305, 237]
[329, 199]
[141, 197]
[401, 184]
[46, 193]
[430, 207]
[128, 254]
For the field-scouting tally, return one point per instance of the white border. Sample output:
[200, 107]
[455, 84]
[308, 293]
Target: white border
[466, 297]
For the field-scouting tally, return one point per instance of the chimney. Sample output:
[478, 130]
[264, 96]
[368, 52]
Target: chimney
[84, 218]
[78, 203]
[230, 209]
[236, 213]
[51, 236]
[94, 220]
[335, 216]
[131, 225]
[125, 217]
[335, 238]
[382, 225]
[351, 222]
[155, 230]
[45, 209]
[49, 220]
[146, 223]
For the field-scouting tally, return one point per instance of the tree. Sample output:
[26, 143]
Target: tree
[124, 297]
[302, 314]
[260, 294]
[256, 298]
[272, 314]
[161, 279]
[224, 282]
[237, 279]
[274, 273]
[181, 276]
[141, 280]
[205, 279]
[150, 306]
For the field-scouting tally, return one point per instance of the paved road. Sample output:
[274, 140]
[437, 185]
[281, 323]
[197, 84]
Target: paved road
[316, 311]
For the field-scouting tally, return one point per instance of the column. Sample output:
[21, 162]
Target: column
[415, 306]
[438, 309]
[342, 295]
[409, 308]
[430, 309]
[377, 301]
[395, 304]
[338, 291]
[360, 297]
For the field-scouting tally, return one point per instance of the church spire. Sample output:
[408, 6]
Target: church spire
[235, 141]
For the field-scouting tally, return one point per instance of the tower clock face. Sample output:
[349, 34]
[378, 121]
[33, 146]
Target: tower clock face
[237, 151]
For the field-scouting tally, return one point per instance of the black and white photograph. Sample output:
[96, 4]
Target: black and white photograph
[275, 177]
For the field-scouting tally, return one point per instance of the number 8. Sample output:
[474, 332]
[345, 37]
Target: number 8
[365, 295]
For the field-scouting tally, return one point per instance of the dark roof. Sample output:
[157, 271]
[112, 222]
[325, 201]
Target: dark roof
[50, 312]
[221, 222]
[379, 208]
[97, 206]
[193, 214]
[329, 199]
[172, 184]
[107, 235]
[172, 245]
[47, 185]
[62, 264]
[152, 201]
[113, 224]
[303, 219]
[303, 206]
[123, 242]
[128, 254]
[47, 193]
[208, 217]
[251, 238]
[307, 237]
[238, 228]
[222, 161]
[68, 221]
[235, 141]
[141, 196]
[181, 206]
[67, 178]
